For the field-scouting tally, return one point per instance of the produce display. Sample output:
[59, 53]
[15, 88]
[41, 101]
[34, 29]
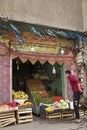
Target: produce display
[37, 97]
[57, 98]
[44, 94]
[8, 107]
[20, 95]
[41, 97]
[50, 93]
[61, 105]
[13, 106]
[64, 104]
[27, 103]
[47, 101]
[4, 107]
[35, 85]
[50, 109]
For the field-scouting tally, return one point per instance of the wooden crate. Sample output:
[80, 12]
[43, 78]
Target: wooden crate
[67, 113]
[53, 115]
[85, 112]
[24, 115]
[6, 118]
[82, 112]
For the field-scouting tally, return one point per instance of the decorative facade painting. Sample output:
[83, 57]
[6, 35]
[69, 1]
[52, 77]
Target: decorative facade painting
[4, 79]
[35, 49]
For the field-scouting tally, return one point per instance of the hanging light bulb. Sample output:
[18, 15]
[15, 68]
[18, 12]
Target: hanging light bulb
[62, 52]
[54, 70]
[17, 65]
[32, 49]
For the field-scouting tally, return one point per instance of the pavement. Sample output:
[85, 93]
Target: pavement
[52, 124]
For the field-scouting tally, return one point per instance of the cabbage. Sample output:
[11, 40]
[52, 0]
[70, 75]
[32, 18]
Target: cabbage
[67, 101]
[62, 101]
[63, 105]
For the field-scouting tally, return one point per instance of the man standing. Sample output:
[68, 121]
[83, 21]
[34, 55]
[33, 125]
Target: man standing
[76, 88]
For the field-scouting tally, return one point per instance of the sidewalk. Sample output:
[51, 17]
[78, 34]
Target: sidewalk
[53, 124]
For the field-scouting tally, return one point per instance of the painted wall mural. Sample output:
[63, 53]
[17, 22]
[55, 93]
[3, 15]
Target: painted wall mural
[4, 79]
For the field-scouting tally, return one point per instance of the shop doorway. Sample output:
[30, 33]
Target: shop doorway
[52, 76]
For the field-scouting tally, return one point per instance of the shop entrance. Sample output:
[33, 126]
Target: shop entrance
[52, 76]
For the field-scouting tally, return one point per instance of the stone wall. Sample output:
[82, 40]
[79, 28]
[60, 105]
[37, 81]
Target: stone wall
[84, 9]
[65, 14]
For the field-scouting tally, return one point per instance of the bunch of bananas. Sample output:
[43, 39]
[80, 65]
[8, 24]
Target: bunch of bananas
[20, 95]
[50, 109]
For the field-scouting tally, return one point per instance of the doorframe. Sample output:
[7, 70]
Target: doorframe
[63, 77]
[11, 79]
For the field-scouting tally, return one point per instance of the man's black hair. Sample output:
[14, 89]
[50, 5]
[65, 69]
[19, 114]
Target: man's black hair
[68, 72]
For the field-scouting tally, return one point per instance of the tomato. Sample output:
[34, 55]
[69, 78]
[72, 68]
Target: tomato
[57, 98]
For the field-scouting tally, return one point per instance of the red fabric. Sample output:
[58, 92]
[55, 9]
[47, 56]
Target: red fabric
[74, 82]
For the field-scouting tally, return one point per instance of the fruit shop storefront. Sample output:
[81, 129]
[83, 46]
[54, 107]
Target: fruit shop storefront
[40, 57]
[33, 68]
[35, 63]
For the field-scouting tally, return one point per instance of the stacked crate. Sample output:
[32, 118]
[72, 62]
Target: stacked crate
[6, 118]
[85, 111]
[82, 112]
[60, 114]
[24, 115]
[53, 115]
[67, 113]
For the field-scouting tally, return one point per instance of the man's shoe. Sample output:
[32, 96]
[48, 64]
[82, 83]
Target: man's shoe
[77, 120]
